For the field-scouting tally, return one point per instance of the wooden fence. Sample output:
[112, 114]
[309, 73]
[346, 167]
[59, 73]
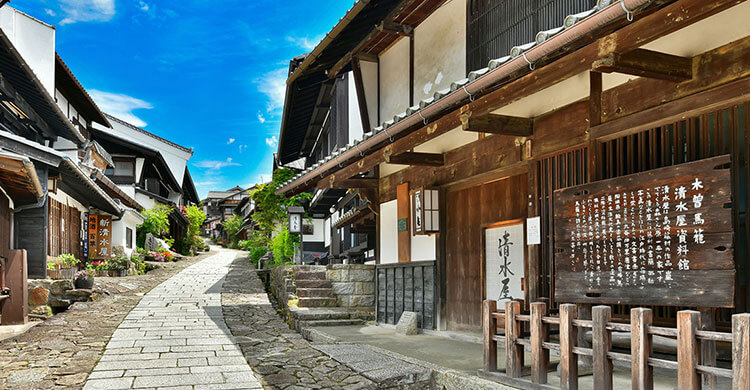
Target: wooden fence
[689, 365]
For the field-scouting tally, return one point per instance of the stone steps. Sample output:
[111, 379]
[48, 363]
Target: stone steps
[317, 302]
[337, 322]
[331, 314]
[315, 293]
[313, 284]
[310, 275]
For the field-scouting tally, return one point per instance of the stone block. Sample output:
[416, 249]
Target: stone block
[364, 288]
[361, 301]
[344, 288]
[59, 287]
[362, 275]
[57, 302]
[407, 324]
[42, 310]
[38, 296]
[337, 275]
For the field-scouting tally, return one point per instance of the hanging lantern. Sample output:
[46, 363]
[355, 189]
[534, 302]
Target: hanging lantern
[425, 211]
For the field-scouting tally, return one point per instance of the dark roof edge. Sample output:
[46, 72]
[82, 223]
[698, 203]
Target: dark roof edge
[102, 119]
[134, 127]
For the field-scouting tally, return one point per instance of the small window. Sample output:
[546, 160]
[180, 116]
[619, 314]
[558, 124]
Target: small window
[124, 168]
[308, 229]
[129, 238]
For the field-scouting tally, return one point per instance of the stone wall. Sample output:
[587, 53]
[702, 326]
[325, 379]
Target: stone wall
[46, 296]
[282, 284]
[353, 284]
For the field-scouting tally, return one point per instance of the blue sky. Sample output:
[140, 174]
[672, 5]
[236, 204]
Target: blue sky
[206, 74]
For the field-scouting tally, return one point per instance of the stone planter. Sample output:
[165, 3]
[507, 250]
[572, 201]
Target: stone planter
[87, 283]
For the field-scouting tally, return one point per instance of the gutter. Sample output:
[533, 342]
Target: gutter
[521, 60]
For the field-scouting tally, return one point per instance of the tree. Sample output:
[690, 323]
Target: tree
[232, 226]
[156, 222]
[196, 217]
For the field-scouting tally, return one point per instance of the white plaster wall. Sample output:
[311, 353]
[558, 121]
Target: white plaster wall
[68, 200]
[128, 189]
[318, 235]
[394, 80]
[327, 232]
[440, 49]
[139, 161]
[34, 40]
[129, 220]
[146, 201]
[423, 247]
[451, 140]
[370, 81]
[355, 119]
[389, 232]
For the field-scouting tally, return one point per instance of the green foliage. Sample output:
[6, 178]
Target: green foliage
[156, 223]
[232, 226]
[196, 216]
[283, 245]
[119, 263]
[65, 260]
[270, 209]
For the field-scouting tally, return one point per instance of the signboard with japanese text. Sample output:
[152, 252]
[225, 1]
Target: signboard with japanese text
[504, 261]
[85, 233]
[295, 223]
[99, 236]
[660, 237]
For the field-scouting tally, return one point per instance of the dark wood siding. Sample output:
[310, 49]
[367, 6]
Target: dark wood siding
[4, 226]
[31, 234]
[64, 230]
[495, 26]
[466, 212]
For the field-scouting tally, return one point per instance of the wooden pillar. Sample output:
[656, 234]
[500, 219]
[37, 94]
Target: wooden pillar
[532, 275]
[489, 326]
[602, 343]
[513, 351]
[688, 350]
[568, 359]
[404, 212]
[741, 351]
[584, 313]
[539, 355]
[595, 98]
[15, 309]
[640, 348]
[708, 348]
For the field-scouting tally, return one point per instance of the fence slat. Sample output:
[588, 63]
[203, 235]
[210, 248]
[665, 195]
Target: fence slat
[640, 348]
[513, 351]
[708, 348]
[601, 344]
[539, 355]
[568, 359]
[688, 350]
[490, 327]
[741, 351]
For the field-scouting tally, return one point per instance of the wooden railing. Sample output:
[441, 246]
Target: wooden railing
[689, 337]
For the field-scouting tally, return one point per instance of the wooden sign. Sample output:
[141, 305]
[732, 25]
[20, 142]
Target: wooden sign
[100, 236]
[661, 237]
[504, 261]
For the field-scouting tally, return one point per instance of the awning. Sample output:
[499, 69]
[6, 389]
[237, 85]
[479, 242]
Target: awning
[18, 179]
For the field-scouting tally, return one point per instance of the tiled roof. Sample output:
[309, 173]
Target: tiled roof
[515, 52]
[152, 135]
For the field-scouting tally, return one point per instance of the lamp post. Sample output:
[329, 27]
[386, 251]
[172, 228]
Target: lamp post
[295, 227]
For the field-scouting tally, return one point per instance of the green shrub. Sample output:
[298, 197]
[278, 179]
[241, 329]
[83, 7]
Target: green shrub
[232, 226]
[283, 246]
[156, 222]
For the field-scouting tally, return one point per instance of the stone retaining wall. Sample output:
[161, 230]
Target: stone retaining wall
[46, 295]
[282, 284]
[353, 284]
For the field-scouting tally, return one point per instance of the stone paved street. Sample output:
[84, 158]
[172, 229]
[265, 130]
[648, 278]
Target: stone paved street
[278, 355]
[176, 336]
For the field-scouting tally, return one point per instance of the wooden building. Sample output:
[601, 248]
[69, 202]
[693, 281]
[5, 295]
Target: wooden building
[490, 111]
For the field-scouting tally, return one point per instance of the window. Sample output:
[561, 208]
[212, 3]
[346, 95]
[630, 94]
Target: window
[308, 229]
[129, 238]
[124, 168]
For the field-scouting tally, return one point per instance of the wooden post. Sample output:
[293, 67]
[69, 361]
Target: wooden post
[490, 328]
[584, 313]
[688, 350]
[15, 310]
[640, 348]
[741, 351]
[539, 355]
[568, 359]
[513, 351]
[708, 348]
[602, 343]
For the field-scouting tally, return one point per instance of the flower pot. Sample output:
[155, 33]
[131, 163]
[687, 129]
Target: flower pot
[68, 273]
[54, 274]
[87, 283]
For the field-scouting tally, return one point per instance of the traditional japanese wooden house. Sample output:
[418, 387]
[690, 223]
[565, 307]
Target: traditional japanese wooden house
[512, 139]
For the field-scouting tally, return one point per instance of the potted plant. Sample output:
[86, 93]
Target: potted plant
[119, 265]
[53, 269]
[65, 264]
[100, 267]
[85, 279]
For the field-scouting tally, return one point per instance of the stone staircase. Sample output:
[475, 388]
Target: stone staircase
[313, 289]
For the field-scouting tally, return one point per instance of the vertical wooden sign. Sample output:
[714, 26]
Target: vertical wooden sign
[93, 222]
[403, 214]
[104, 237]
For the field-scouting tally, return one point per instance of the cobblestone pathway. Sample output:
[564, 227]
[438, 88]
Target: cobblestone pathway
[61, 351]
[176, 337]
[279, 356]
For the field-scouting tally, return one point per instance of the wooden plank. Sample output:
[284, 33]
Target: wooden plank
[640, 349]
[601, 346]
[708, 347]
[15, 308]
[646, 63]
[513, 351]
[539, 355]
[741, 351]
[358, 183]
[498, 124]
[359, 86]
[489, 328]
[595, 98]
[417, 159]
[568, 336]
[688, 350]
[403, 214]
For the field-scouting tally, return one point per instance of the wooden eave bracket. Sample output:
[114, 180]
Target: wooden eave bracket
[498, 124]
[417, 159]
[646, 63]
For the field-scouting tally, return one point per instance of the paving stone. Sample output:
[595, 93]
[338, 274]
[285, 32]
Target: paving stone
[178, 380]
[108, 384]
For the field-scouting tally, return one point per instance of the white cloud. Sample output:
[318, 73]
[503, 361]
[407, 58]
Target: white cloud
[231, 141]
[120, 105]
[143, 6]
[87, 10]
[272, 141]
[305, 43]
[273, 85]
[243, 148]
[261, 118]
[50, 12]
[214, 165]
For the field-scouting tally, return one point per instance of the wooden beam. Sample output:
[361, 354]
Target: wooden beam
[498, 124]
[359, 85]
[646, 63]
[595, 98]
[367, 57]
[416, 158]
[359, 182]
[403, 30]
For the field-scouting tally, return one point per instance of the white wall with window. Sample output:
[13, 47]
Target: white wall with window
[124, 230]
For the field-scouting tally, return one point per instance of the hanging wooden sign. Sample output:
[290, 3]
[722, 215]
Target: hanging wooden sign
[99, 236]
[92, 236]
[660, 237]
[504, 261]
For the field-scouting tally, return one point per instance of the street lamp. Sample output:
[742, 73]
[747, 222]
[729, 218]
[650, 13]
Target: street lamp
[295, 227]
